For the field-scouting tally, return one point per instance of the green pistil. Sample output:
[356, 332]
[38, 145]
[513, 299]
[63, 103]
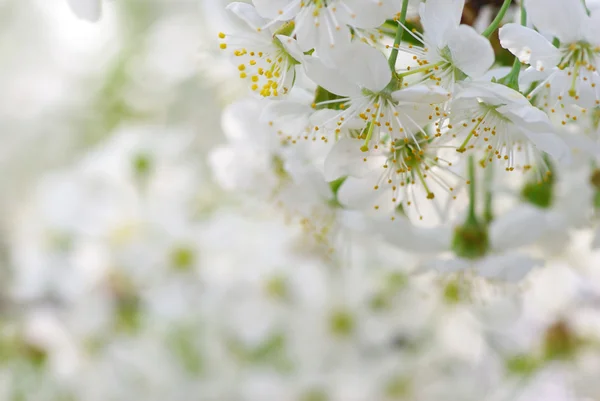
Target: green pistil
[454, 292]
[540, 194]
[560, 342]
[398, 388]
[128, 313]
[371, 127]
[314, 395]
[522, 365]
[278, 165]
[341, 323]
[142, 164]
[430, 195]
[286, 29]
[182, 258]
[471, 240]
[277, 288]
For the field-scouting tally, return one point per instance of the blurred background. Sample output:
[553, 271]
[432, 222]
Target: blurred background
[105, 129]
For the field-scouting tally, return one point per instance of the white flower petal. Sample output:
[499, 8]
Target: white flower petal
[330, 78]
[527, 117]
[405, 235]
[90, 10]
[365, 65]
[421, 94]
[446, 265]
[241, 122]
[439, 18]
[522, 226]
[592, 31]
[550, 143]
[564, 19]
[471, 53]
[346, 158]
[491, 93]
[247, 13]
[366, 15]
[291, 46]
[360, 193]
[529, 46]
[596, 240]
[281, 10]
[508, 267]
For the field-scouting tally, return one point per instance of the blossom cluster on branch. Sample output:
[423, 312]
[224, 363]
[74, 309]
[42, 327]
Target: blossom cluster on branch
[396, 113]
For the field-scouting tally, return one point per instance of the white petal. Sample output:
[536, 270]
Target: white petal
[508, 267]
[439, 18]
[592, 31]
[247, 13]
[403, 234]
[291, 46]
[346, 158]
[361, 14]
[330, 78]
[550, 143]
[529, 46]
[471, 53]
[360, 193]
[421, 94]
[277, 9]
[491, 93]
[364, 65]
[596, 240]
[90, 10]
[446, 265]
[527, 117]
[521, 226]
[564, 19]
[240, 121]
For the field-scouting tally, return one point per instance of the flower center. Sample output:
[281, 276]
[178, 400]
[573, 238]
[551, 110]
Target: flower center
[580, 59]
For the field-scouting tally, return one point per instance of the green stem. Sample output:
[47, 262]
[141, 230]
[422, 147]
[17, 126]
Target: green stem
[496, 22]
[472, 216]
[587, 10]
[488, 212]
[399, 34]
[512, 79]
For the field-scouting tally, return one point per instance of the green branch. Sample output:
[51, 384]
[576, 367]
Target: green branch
[399, 34]
[496, 22]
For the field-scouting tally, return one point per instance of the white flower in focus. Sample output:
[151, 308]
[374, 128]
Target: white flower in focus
[413, 175]
[90, 10]
[504, 125]
[568, 73]
[265, 58]
[361, 78]
[451, 52]
[323, 25]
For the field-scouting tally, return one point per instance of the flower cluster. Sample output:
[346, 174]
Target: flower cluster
[397, 114]
[404, 204]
